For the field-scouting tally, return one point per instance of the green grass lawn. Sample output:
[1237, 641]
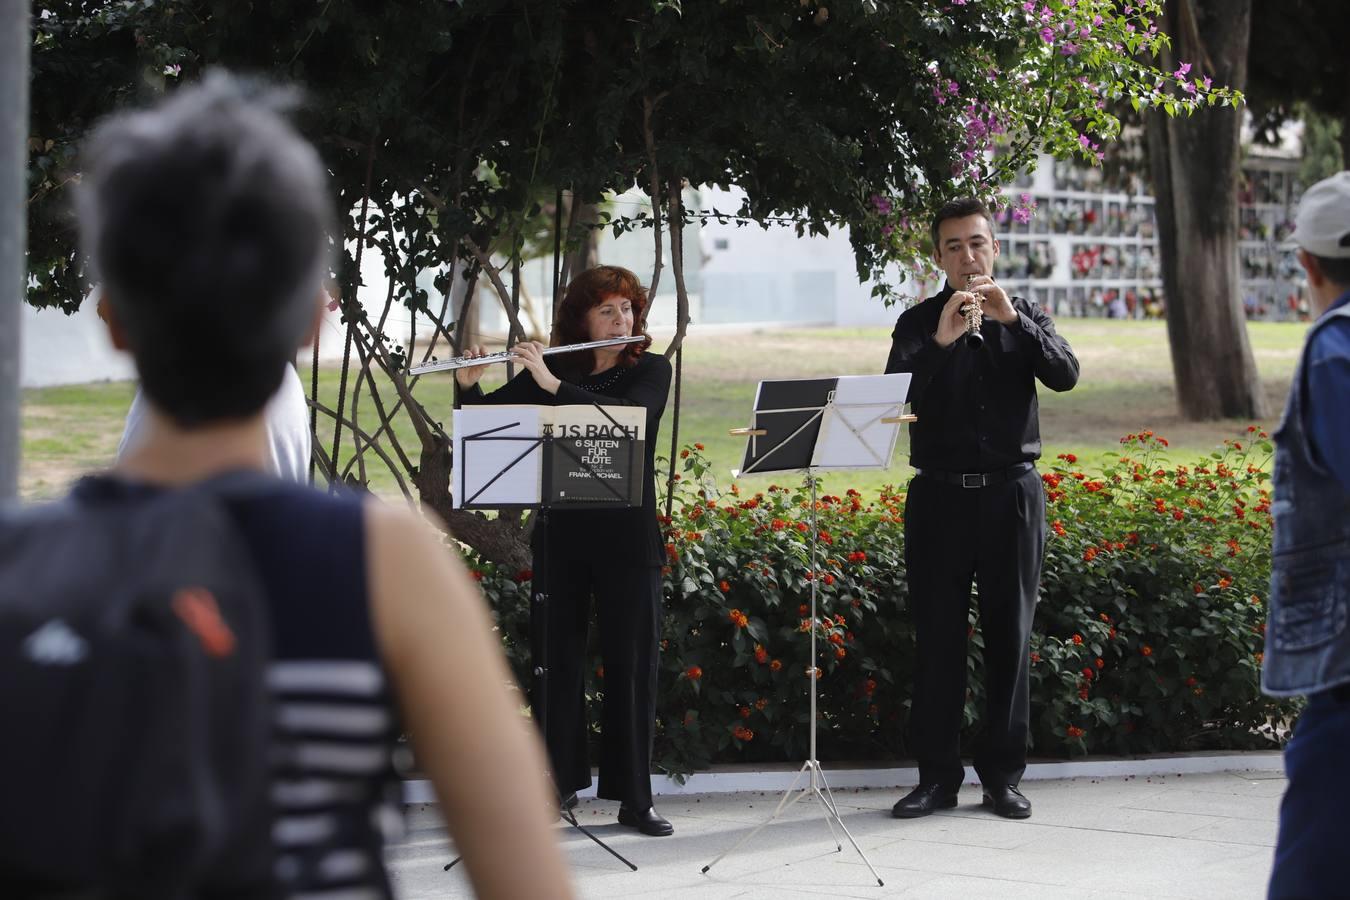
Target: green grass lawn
[1126, 386]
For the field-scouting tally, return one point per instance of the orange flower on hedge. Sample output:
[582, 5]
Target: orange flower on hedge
[743, 712]
[738, 618]
[725, 587]
[775, 665]
[836, 638]
[840, 652]
[1101, 663]
[1225, 582]
[828, 579]
[741, 733]
[684, 454]
[761, 703]
[1146, 650]
[693, 673]
[1089, 554]
[1074, 731]
[672, 552]
[761, 655]
[698, 446]
[1059, 528]
[1078, 639]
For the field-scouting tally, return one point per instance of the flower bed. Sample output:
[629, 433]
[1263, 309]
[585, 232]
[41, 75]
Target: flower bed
[1147, 637]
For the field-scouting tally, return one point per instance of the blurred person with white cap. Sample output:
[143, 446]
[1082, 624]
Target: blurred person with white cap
[1307, 650]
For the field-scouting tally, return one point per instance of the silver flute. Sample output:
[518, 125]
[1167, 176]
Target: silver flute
[974, 314]
[464, 362]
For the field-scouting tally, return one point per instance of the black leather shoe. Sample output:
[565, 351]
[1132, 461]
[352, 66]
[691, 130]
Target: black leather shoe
[648, 821]
[923, 800]
[1007, 801]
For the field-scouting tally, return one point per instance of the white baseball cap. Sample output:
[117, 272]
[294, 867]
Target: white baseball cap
[1322, 225]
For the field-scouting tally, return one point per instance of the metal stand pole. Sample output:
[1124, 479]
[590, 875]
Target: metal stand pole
[14, 43]
[816, 785]
[539, 658]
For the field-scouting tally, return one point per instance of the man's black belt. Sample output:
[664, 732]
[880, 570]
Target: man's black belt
[977, 479]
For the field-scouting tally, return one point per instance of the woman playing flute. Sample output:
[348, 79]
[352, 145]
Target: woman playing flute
[611, 555]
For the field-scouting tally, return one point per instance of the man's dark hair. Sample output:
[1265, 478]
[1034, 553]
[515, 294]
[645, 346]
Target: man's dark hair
[1336, 269]
[206, 219]
[959, 209]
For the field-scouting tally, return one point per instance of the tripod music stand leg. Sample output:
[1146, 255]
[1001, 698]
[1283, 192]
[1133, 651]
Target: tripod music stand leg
[832, 813]
[827, 804]
[783, 804]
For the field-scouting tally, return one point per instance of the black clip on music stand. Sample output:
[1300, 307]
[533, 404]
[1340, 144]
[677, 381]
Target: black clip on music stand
[860, 432]
[549, 496]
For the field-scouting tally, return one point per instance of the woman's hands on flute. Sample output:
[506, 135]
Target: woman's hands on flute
[531, 356]
[468, 377]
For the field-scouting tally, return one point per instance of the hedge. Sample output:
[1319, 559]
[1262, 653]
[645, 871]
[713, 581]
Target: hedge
[1147, 637]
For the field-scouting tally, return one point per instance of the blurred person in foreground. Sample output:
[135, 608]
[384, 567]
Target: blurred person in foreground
[207, 220]
[1307, 648]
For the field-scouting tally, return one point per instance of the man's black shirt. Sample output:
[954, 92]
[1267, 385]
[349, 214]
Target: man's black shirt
[977, 409]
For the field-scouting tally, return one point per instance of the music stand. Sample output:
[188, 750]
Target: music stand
[547, 457]
[848, 422]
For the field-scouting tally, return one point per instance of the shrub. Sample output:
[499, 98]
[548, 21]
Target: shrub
[1147, 637]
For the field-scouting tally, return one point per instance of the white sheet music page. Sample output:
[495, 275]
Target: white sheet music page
[513, 469]
[852, 435]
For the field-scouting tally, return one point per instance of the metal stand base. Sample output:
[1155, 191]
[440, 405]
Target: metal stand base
[817, 786]
[571, 819]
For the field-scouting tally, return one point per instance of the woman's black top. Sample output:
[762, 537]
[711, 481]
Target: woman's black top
[628, 536]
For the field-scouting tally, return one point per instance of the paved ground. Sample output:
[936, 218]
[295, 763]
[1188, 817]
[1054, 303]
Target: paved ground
[1193, 836]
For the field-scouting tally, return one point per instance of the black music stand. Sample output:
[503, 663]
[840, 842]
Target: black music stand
[570, 472]
[806, 425]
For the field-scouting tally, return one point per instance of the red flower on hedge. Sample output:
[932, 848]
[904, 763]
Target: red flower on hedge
[698, 446]
[761, 703]
[693, 673]
[761, 655]
[1146, 650]
[672, 552]
[1058, 527]
[1074, 731]
[829, 579]
[741, 733]
[775, 665]
[1068, 458]
[1078, 639]
[738, 618]
[477, 575]
[1089, 554]
[869, 687]
[1101, 663]
[684, 454]
[801, 526]
[743, 712]
[778, 524]
[840, 652]
[1087, 673]
[724, 587]
[803, 610]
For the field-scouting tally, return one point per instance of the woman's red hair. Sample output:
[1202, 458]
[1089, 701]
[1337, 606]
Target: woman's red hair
[587, 291]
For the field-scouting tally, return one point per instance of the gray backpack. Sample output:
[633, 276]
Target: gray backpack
[133, 652]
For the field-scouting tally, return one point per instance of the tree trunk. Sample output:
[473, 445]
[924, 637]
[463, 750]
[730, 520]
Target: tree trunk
[586, 254]
[1194, 162]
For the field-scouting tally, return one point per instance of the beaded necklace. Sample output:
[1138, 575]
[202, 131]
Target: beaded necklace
[601, 381]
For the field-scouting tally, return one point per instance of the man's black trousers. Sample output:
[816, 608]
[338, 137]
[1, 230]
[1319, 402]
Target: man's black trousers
[628, 616]
[995, 535]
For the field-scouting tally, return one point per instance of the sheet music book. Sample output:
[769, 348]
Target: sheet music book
[593, 455]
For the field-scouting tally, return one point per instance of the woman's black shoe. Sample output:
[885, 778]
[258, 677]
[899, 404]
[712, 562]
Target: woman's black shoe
[648, 821]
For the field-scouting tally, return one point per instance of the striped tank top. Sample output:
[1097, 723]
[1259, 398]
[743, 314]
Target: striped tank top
[335, 787]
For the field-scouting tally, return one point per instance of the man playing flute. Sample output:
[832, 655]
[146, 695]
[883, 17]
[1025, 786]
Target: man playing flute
[975, 507]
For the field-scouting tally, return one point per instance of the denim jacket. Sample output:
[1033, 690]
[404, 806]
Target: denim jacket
[1307, 641]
